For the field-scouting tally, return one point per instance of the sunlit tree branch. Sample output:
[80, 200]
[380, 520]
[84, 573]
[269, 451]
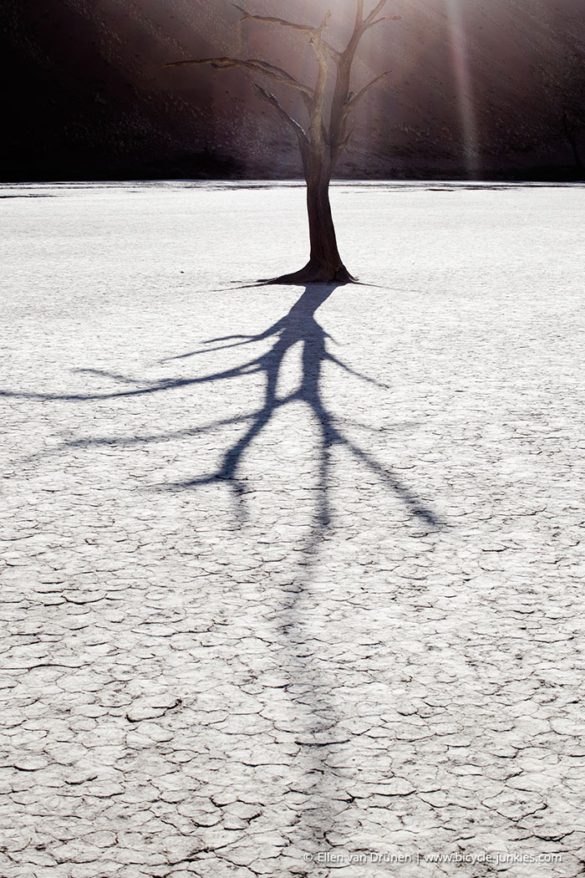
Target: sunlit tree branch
[253, 64]
[296, 126]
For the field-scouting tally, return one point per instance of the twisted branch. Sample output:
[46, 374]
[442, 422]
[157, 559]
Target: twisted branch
[353, 99]
[369, 20]
[296, 126]
[330, 134]
[270, 19]
[257, 66]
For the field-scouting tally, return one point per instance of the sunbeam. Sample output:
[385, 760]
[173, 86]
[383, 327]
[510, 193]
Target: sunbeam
[461, 69]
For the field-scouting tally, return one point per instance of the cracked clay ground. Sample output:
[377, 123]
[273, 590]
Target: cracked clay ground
[292, 580]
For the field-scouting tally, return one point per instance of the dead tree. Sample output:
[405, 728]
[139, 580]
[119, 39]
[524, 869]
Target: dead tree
[323, 133]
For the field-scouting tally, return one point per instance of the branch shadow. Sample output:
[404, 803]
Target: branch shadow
[298, 326]
[315, 707]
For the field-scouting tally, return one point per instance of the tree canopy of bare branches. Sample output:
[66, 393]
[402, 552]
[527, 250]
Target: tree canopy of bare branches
[324, 129]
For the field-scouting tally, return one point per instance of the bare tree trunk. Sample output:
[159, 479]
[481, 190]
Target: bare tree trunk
[325, 256]
[325, 264]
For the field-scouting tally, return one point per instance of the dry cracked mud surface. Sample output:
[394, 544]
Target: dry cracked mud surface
[291, 580]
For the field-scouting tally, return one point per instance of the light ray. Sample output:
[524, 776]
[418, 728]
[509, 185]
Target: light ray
[461, 69]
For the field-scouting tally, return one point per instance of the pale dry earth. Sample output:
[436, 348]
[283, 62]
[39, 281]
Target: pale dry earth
[305, 594]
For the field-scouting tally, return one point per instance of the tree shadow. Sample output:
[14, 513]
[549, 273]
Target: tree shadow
[315, 707]
[299, 326]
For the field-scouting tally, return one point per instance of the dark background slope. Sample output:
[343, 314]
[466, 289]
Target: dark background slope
[87, 95]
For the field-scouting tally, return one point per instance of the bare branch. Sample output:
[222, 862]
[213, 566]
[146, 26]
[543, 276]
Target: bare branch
[353, 100]
[315, 34]
[375, 11]
[257, 66]
[334, 52]
[375, 22]
[341, 140]
[296, 126]
[343, 143]
[270, 19]
[380, 20]
[362, 24]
